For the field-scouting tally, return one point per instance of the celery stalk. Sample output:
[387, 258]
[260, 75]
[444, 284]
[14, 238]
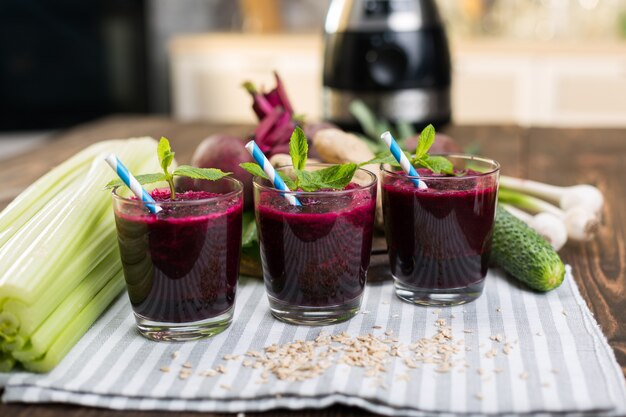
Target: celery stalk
[60, 267]
[70, 333]
[91, 254]
[37, 195]
[6, 362]
[41, 340]
[58, 232]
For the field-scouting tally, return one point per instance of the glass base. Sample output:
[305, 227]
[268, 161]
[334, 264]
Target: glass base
[181, 332]
[314, 316]
[439, 297]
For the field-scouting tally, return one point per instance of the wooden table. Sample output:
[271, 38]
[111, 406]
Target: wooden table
[557, 156]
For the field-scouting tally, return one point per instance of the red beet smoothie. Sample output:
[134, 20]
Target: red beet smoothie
[440, 237]
[182, 264]
[316, 255]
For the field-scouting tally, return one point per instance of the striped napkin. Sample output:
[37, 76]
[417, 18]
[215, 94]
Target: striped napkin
[516, 352]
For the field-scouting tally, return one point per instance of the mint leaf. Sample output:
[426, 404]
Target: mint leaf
[425, 141]
[256, 170]
[211, 174]
[383, 158]
[298, 149]
[291, 184]
[142, 179]
[166, 156]
[306, 181]
[335, 177]
[437, 164]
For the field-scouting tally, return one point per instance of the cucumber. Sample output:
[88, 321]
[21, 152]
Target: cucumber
[524, 254]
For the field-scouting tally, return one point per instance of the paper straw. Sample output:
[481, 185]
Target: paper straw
[132, 183]
[404, 162]
[278, 182]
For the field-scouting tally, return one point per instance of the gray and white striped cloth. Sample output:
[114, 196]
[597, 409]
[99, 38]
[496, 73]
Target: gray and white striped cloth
[561, 362]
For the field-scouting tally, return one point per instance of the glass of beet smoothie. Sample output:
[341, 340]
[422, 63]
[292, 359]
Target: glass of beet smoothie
[315, 257]
[181, 264]
[439, 238]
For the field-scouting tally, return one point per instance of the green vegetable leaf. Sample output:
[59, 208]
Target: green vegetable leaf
[298, 149]
[142, 179]
[383, 158]
[291, 184]
[335, 177]
[256, 170]
[211, 174]
[405, 131]
[248, 232]
[437, 164]
[166, 156]
[426, 140]
[306, 181]
[366, 118]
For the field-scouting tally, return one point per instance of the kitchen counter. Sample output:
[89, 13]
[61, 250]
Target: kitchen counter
[557, 156]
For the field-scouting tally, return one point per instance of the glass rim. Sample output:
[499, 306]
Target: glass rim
[136, 201]
[493, 162]
[271, 188]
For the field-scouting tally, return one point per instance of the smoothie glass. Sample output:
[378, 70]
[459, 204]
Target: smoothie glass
[315, 257]
[439, 239]
[181, 265]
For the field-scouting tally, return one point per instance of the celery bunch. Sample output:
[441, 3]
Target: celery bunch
[59, 262]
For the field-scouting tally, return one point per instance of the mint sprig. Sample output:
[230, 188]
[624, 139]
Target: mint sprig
[166, 157]
[335, 177]
[421, 158]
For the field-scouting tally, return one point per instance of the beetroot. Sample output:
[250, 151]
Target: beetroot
[275, 114]
[225, 153]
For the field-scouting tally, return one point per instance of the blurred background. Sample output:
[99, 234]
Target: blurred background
[64, 62]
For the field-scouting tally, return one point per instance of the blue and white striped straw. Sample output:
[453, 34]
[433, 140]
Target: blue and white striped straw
[132, 183]
[278, 182]
[402, 159]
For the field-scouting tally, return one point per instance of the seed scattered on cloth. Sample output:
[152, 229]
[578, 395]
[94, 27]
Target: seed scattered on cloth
[301, 360]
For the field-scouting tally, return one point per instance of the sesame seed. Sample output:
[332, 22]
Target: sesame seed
[164, 369]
